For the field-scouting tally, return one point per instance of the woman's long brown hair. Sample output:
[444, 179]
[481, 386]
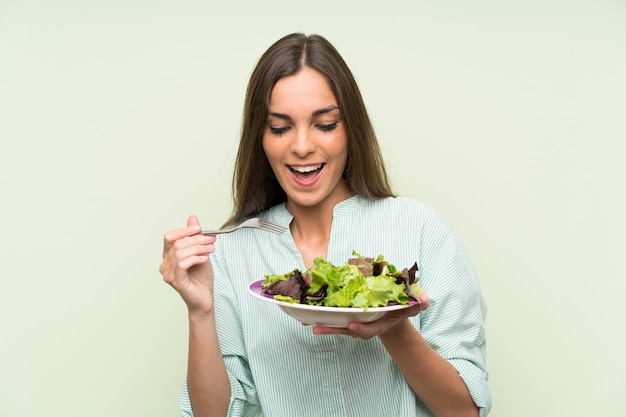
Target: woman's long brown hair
[254, 186]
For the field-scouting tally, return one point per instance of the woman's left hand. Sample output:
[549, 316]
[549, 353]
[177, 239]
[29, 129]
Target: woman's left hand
[388, 323]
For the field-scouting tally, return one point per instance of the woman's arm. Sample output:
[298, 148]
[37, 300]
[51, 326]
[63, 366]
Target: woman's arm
[207, 382]
[187, 268]
[433, 379]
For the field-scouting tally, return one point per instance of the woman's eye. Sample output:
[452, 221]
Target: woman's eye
[327, 127]
[278, 130]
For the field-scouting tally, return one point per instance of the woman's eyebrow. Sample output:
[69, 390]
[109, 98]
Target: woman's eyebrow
[325, 110]
[280, 116]
[314, 114]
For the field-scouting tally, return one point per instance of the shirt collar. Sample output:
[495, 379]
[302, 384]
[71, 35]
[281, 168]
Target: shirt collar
[280, 214]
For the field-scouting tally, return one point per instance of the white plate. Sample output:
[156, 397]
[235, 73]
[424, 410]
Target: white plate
[326, 316]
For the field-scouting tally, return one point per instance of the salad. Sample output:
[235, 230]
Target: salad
[361, 282]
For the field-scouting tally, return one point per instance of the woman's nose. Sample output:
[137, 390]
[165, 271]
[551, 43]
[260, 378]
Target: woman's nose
[303, 142]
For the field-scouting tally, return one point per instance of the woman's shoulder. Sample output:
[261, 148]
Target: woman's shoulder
[404, 204]
[277, 213]
[408, 211]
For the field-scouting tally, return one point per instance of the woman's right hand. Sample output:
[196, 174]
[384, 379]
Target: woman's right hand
[186, 265]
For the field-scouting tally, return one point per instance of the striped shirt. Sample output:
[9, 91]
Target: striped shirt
[277, 367]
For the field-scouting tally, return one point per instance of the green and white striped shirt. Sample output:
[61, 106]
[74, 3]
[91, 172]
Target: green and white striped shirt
[278, 368]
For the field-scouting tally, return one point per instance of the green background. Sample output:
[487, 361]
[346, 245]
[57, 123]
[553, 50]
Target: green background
[119, 119]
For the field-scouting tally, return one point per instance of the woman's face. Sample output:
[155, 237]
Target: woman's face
[305, 140]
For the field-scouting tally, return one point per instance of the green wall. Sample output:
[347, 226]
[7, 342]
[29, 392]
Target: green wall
[119, 119]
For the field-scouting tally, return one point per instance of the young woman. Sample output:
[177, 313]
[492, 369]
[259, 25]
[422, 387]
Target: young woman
[309, 160]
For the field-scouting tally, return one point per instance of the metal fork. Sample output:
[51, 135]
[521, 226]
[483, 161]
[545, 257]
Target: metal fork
[254, 222]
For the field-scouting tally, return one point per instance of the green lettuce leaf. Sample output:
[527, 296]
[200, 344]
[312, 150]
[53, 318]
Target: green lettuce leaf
[347, 286]
[270, 278]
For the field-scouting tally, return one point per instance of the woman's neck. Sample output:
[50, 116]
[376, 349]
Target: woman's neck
[311, 234]
[311, 228]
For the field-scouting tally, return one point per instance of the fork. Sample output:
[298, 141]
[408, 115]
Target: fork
[254, 222]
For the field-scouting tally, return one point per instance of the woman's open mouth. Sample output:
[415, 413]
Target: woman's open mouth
[306, 174]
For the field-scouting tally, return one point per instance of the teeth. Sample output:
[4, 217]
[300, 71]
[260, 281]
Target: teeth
[306, 169]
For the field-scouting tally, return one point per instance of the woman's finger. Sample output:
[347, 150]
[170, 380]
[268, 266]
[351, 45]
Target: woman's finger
[375, 328]
[192, 228]
[180, 269]
[192, 245]
[423, 301]
[193, 221]
[187, 252]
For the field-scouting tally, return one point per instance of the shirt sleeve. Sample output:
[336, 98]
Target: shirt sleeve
[244, 400]
[453, 324]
